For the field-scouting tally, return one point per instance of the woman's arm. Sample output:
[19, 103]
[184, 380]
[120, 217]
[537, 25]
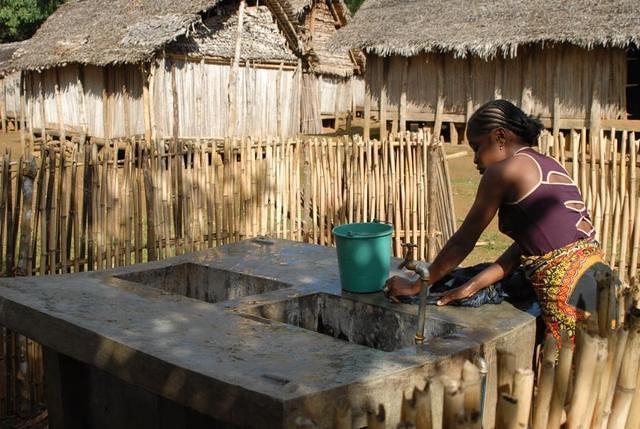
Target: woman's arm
[488, 199]
[502, 267]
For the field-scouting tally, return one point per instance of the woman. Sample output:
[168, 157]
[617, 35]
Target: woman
[539, 207]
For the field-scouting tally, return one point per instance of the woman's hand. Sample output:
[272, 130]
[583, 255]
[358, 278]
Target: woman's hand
[400, 286]
[461, 292]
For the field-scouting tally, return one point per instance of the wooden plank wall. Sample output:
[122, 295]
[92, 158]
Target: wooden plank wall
[340, 95]
[267, 100]
[74, 98]
[11, 95]
[537, 79]
[107, 102]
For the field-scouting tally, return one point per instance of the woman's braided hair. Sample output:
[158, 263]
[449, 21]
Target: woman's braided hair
[504, 114]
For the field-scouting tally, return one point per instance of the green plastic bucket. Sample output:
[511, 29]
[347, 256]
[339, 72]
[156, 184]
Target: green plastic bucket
[364, 255]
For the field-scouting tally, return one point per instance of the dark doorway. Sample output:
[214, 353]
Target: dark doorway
[633, 83]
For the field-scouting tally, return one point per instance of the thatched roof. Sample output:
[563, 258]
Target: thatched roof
[102, 32]
[488, 27]
[6, 53]
[261, 37]
[324, 60]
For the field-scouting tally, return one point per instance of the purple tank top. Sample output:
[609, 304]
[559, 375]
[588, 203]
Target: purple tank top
[550, 216]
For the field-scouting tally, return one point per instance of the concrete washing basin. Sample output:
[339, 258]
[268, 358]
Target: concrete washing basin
[251, 335]
[348, 319]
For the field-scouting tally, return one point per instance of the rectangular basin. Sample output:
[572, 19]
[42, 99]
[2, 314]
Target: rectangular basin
[202, 282]
[350, 320]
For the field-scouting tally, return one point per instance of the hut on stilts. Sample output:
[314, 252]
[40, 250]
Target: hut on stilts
[182, 70]
[9, 88]
[572, 63]
[333, 87]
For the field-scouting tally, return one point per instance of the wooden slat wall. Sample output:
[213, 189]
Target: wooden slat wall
[202, 100]
[337, 94]
[11, 97]
[529, 77]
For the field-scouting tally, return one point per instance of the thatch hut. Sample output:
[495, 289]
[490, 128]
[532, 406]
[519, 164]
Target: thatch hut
[573, 63]
[165, 69]
[333, 87]
[9, 86]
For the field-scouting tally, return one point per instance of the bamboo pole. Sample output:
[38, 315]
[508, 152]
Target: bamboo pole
[507, 415]
[602, 356]
[424, 419]
[542, 400]
[561, 382]
[342, 419]
[408, 410]
[586, 356]
[376, 420]
[472, 388]
[453, 404]
[523, 392]
[634, 413]
[626, 386]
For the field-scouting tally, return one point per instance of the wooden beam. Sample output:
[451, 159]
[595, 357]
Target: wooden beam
[596, 110]
[468, 89]
[437, 127]
[367, 110]
[146, 102]
[384, 65]
[233, 74]
[526, 100]
[3, 105]
[267, 65]
[174, 98]
[497, 84]
[403, 95]
[42, 107]
[126, 102]
[279, 103]
[83, 105]
[556, 92]
[59, 106]
[105, 103]
[25, 150]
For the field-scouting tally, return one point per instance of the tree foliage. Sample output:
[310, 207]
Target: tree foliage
[353, 5]
[19, 19]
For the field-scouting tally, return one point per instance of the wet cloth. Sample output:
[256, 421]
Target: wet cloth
[564, 282]
[513, 288]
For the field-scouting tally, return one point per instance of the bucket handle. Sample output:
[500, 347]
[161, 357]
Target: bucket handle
[374, 220]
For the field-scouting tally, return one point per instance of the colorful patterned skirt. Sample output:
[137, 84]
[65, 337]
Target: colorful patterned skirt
[556, 276]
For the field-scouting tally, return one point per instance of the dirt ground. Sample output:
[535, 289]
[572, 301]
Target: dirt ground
[464, 182]
[10, 141]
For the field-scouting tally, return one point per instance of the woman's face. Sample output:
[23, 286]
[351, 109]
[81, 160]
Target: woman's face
[488, 148]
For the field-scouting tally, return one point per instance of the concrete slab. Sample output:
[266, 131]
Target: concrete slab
[232, 333]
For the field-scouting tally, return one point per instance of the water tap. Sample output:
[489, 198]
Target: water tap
[421, 268]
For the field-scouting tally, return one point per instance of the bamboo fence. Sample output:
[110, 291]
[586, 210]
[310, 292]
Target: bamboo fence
[67, 208]
[605, 168]
[594, 384]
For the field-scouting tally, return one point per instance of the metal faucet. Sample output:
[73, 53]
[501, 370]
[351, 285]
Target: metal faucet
[421, 268]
